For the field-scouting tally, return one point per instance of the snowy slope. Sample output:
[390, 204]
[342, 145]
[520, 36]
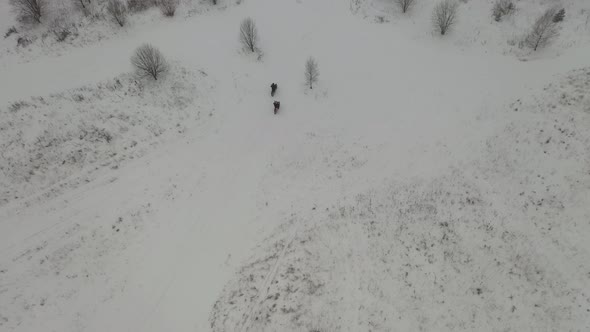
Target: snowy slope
[49, 142]
[496, 244]
[420, 185]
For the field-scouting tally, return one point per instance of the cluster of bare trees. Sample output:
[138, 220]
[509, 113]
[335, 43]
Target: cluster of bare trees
[249, 40]
[544, 30]
[117, 10]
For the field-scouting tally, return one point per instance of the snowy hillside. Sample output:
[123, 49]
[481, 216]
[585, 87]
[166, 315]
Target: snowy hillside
[425, 183]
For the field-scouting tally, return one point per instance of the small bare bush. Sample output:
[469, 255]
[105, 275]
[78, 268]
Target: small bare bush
[405, 5]
[118, 11]
[168, 7]
[544, 30]
[61, 34]
[502, 8]
[312, 73]
[249, 35]
[29, 10]
[149, 61]
[444, 16]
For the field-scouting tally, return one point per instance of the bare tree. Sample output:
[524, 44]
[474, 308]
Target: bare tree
[249, 34]
[502, 8]
[444, 16]
[312, 73]
[168, 7]
[405, 5]
[29, 10]
[543, 31]
[149, 61]
[118, 11]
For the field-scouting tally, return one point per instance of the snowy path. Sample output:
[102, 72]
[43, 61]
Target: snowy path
[205, 193]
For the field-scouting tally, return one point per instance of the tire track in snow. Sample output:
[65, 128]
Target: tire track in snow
[266, 285]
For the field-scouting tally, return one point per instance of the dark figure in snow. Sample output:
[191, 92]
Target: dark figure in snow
[273, 89]
[277, 106]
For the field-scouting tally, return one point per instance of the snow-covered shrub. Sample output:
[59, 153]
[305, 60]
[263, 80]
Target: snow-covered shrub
[559, 16]
[135, 6]
[444, 16]
[312, 72]
[249, 35]
[149, 61]
[168, 7]
[61, 29]
[118, 11]
[23, 42]
[405, 5]
[10, 31]
[502, 8]
[543, 31]
[29, 10]
[16, 106]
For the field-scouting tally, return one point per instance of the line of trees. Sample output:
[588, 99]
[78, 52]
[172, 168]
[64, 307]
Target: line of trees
[34, 11]
[445, 12]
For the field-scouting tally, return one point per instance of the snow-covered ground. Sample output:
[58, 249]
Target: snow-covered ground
[426, 183]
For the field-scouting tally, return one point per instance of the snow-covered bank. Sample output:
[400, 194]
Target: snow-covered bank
[46, 140]
[498, 244]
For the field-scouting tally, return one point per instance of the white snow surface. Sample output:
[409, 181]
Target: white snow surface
[425, 183]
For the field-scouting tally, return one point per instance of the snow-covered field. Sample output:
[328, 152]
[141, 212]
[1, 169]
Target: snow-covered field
[424, 184]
